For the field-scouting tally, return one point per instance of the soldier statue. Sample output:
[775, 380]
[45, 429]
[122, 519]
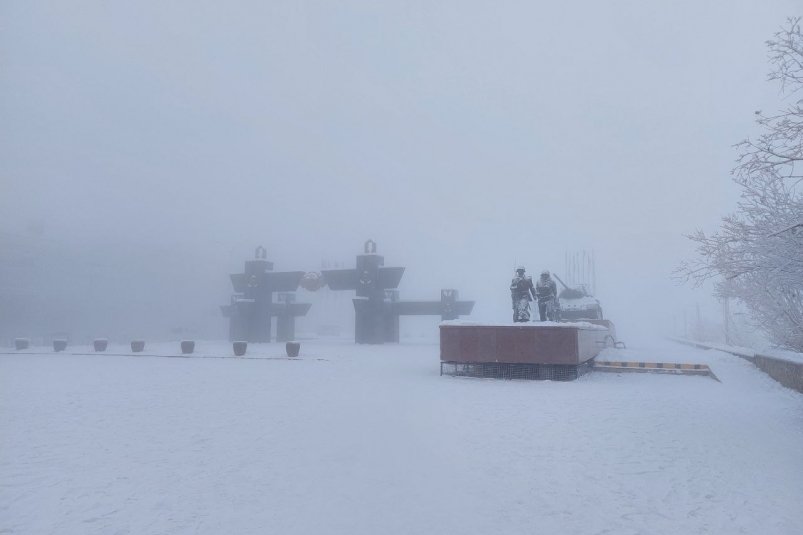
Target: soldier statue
[522, 292]
[547, 291]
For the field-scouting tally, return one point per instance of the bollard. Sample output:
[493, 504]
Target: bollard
[239, 348]
[137, 346]
[292, 348]
[21, 343]
[187, 346]
[100, 344]
[59, 345]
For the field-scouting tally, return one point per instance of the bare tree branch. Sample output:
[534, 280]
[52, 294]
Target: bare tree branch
[757, 254]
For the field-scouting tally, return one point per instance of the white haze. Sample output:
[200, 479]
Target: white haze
[146, 148]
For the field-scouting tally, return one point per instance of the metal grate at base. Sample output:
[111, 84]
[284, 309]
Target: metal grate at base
[504, 370]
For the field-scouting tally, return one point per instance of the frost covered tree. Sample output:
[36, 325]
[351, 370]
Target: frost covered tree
[757, 254]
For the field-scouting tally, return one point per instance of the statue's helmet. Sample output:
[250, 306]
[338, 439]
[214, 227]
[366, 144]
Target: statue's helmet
[545, 274]
[520, 268]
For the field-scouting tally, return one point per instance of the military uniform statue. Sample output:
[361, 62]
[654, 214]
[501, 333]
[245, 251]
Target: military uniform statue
[547, 291]
[521, 292]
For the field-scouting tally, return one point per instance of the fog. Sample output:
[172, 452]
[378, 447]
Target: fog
[146, 149]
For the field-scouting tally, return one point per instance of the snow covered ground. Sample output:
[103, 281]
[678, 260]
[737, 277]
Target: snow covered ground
[371, 440]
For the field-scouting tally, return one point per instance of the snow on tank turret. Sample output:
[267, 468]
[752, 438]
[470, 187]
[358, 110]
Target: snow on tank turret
[578, 304]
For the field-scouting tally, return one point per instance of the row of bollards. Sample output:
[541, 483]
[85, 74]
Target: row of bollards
[138, 346]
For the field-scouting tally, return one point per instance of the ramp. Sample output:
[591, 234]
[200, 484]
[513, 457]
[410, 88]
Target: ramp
[652, 367]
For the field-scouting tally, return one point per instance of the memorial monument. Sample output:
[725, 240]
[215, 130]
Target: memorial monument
[252, 306]
[377, 306]
[448, 308]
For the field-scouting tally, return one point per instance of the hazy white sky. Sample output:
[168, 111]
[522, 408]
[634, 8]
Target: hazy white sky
[462, 136]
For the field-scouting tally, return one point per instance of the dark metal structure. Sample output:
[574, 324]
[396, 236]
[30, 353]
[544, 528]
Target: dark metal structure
[507, 370]
[370, 279]
[448, 308]
[286, 311]
[252, 305]
[377, 306]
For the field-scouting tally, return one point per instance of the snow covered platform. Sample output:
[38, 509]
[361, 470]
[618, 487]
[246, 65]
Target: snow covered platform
[545, 350]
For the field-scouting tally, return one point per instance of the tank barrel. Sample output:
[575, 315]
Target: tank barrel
[560, 281]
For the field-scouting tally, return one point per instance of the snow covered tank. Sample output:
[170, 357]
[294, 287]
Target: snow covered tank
[578, 304]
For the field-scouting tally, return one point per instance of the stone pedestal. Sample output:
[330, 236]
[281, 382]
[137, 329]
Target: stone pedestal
[528, 350]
